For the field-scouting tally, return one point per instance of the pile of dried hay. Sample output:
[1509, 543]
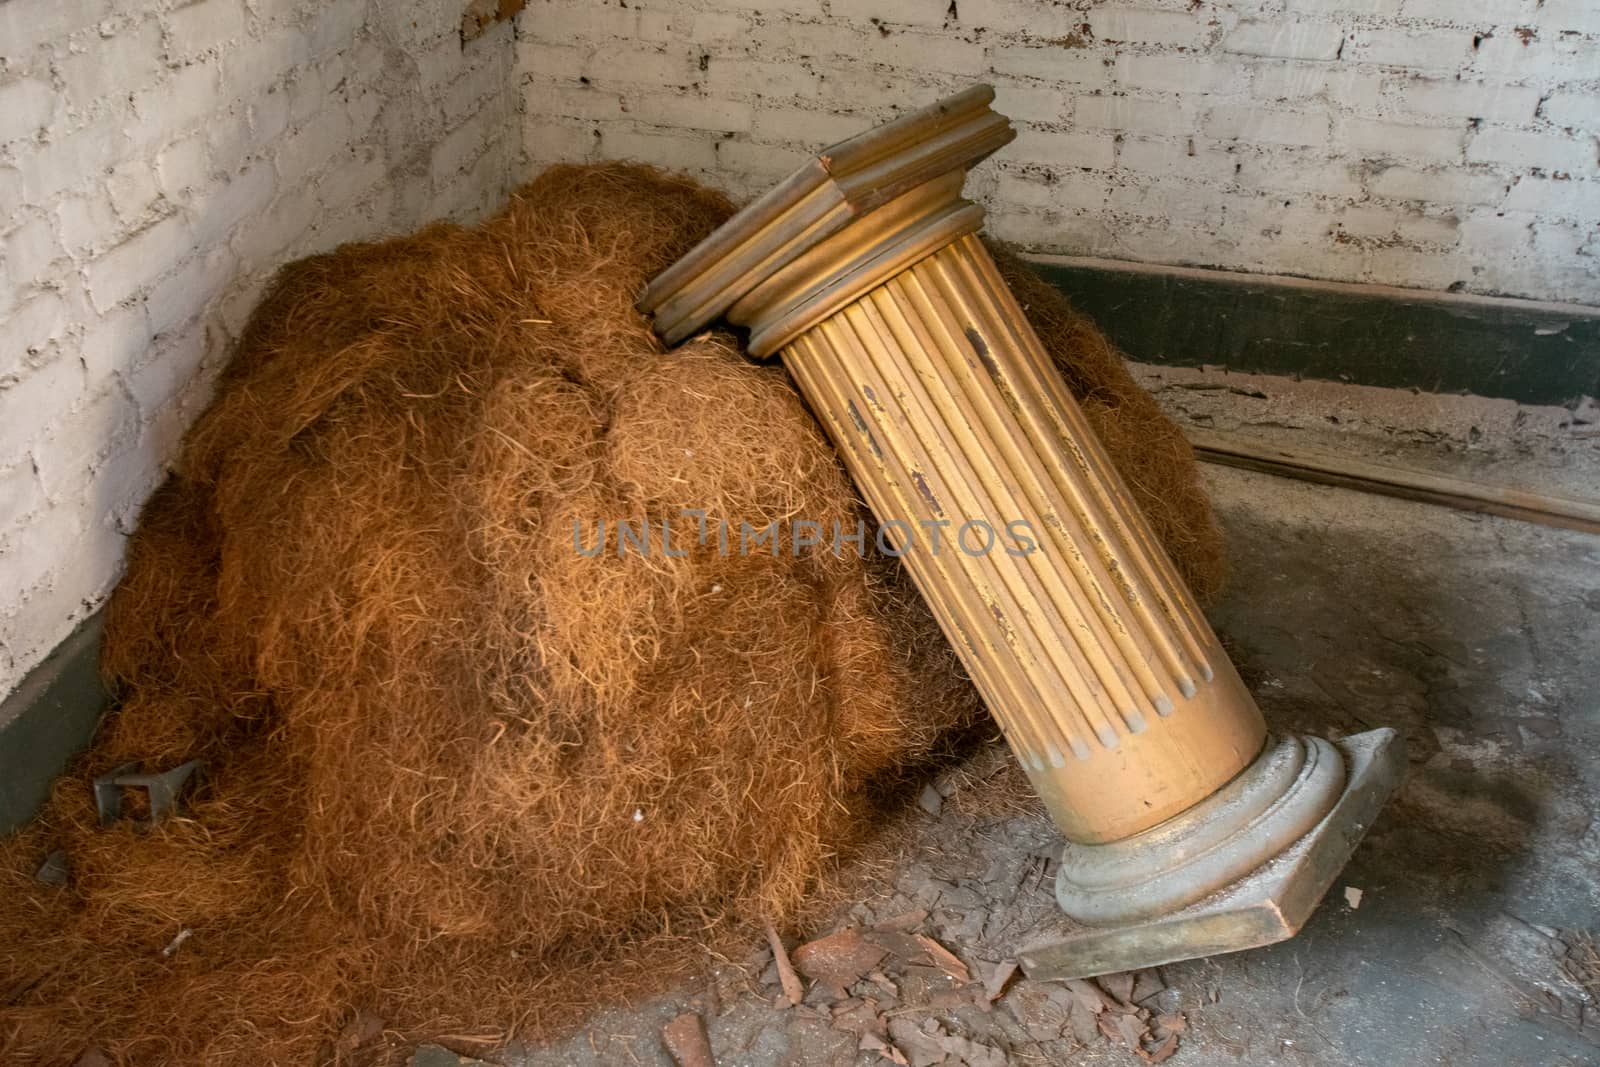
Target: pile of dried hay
[457, 775]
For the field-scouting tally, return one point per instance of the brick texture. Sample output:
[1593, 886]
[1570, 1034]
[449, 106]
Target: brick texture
[157, 163]
[1420, 143]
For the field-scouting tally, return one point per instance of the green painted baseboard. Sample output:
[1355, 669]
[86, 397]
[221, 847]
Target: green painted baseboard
[1534, 353]
[47, 720]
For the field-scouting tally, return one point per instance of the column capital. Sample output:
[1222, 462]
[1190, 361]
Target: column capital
[794, 256]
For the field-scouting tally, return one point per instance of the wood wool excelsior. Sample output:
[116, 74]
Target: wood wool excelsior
[457, 773]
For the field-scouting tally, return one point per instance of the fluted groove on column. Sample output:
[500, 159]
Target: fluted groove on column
[1052, 417]
[1172, 594]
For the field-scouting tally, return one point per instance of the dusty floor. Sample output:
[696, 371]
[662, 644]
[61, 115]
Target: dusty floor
[1479, 638]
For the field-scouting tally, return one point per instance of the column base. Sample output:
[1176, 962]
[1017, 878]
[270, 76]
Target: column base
[1268, 904]
[1284, 792]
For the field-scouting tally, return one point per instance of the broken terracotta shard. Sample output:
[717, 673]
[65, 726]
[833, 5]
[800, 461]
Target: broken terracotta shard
[865, 272]
[793, 991]
[686, 1041]
[840, 959]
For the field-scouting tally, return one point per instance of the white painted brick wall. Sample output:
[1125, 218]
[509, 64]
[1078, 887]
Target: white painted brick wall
[158, 161]
[1424, 143]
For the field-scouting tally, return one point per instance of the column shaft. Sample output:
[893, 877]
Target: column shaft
[1090, 650]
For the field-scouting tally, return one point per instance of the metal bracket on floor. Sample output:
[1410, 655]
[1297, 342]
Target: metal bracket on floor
[162, 790]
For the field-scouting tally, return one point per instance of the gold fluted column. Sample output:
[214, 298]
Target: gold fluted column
[1087, 647]
[863, 270]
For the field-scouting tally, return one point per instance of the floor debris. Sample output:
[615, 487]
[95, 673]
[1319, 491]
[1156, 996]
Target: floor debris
[686, 1041]
[944, 959]
[358, 1035]
[910, 999]
[439, 1056]
[53, 871]
[998, 979]
[177, 942]
[793, 991]
[1581, 964]
[840, 959]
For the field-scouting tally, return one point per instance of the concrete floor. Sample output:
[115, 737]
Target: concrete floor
[1477, 637]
